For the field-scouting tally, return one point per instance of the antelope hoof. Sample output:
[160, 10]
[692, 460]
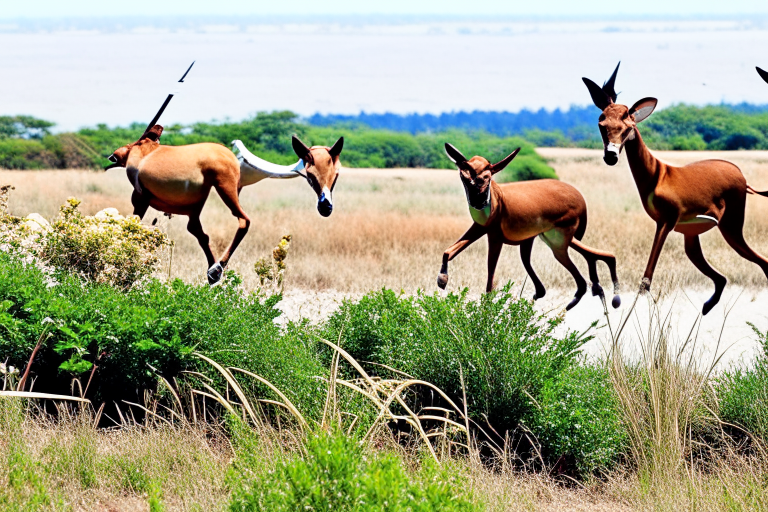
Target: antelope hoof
[616, 302]
[573, 303]
[442, 281]
[597, 290]
[645, 285]
[539, 294]
[215, 273]
[711, 303]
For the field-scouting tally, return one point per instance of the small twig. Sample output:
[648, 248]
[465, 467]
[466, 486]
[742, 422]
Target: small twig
[23, 380]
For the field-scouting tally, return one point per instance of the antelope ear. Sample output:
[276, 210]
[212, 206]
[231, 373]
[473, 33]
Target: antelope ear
[499, 166]
[454, 154]
[643, 108]
[335, 151]
[763, 74]
[599, 97]
[301, 149]
[154, 133]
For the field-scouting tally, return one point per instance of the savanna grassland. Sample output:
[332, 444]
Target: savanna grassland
[390, 227]
[206, 399]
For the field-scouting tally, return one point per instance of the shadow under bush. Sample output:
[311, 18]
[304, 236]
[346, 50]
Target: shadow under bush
[517, 371]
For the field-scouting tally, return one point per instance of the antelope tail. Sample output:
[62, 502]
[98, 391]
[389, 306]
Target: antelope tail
[751, 190]
[266, 169]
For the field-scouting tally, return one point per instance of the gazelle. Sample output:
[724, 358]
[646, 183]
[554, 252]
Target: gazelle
[178, 180]
[690, 200]
[515, 213]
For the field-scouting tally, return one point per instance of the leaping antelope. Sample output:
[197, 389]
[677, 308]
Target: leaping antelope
[178, 179]
[515, 213]
[690, 200]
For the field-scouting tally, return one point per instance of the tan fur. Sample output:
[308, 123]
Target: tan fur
[178, 180]
[520, 211]
[674, 196]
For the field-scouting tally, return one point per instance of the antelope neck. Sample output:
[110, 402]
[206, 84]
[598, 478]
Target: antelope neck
[644, 166]
[481, 215]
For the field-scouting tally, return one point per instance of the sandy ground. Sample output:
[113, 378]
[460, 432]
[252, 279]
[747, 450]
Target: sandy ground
[723, 336]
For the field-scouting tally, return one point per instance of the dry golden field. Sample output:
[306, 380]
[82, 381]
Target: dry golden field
[390, 227]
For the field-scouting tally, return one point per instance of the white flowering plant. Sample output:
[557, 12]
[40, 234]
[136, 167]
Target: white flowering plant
[103, 248]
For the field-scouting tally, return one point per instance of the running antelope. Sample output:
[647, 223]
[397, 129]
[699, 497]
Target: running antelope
[515, 213]
[178, 180]
[690, 200]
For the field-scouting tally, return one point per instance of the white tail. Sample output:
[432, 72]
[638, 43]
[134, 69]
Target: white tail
[250, 163]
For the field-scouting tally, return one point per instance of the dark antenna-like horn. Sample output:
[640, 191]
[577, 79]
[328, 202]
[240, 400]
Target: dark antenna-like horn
[609, 87]
[165, 104]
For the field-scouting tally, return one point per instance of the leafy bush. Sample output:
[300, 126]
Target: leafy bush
[743, 394]
[516, 370]
[151, 330]
[578, 414]
[338, 474]
[104, 248]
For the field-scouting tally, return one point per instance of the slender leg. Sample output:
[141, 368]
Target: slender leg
[231, 199]
[494, 251]
[195, 228]
[732, 226]
[693, 251]
[525, 254]
[140, 204]
[593, 256]
[662, 231]
[473, 233]
[559, 242]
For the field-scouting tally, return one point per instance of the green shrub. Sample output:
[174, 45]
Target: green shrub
[105, 248]
[578, 414]
[516, 370]
[133, 336]
[743, 394]
[337, 474]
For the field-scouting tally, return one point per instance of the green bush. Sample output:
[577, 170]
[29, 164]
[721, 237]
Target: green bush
[337, 474]
[104, 248]
[516, 370]
[134, 336]
[743, 394]
[578, 414]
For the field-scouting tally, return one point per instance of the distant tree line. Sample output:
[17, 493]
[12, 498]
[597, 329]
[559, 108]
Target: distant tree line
[392, 140]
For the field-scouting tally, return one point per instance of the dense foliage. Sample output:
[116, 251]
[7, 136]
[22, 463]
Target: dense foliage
[269, 136]
[392, 140]
[516, 371]
[135, 336]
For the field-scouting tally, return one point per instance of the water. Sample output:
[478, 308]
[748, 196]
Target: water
[84, 77]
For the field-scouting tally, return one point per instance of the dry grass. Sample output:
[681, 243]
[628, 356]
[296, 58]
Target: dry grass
[390, 227]
[67, 464]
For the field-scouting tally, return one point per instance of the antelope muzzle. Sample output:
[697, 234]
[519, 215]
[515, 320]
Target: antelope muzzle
[324, 203]
[611, 154]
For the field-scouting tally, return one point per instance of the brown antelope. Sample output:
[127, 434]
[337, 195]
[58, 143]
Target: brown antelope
[690, 200]
[178, 180]
[515, 213]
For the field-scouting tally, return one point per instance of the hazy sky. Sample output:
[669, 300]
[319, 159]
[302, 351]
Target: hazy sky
[568, 8]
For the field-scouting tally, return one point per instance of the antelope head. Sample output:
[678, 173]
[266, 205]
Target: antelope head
[147, 143]
[321, 170]
[476, 175]
[617, 122]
